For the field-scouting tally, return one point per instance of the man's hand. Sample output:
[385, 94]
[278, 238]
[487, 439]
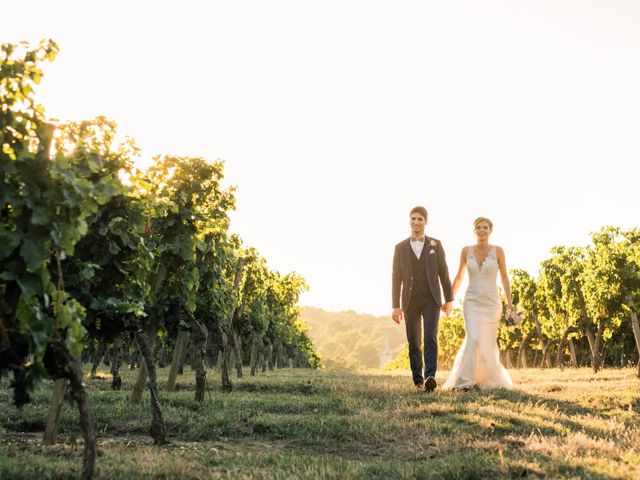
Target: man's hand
[397, 315]
[447, 308]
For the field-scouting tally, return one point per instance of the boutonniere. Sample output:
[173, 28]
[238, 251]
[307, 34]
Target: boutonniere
[432, 251]
[432, 243]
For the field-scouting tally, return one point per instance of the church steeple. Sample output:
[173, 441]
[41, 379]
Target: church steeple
[385, 354]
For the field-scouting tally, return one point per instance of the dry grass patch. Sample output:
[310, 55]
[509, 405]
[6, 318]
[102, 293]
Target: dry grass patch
[320, 424]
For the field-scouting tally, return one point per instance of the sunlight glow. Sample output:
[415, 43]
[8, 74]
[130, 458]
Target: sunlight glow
[525, 112]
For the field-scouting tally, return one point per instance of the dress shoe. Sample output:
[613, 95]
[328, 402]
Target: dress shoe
[430, 385]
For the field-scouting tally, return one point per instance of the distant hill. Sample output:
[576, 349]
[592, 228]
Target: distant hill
[351, 340]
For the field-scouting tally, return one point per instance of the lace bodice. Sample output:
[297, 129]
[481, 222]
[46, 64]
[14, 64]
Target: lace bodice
[482, 278]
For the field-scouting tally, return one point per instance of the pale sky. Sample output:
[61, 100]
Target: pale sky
[335, 118]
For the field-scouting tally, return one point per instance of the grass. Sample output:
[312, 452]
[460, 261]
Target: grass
[328, 424]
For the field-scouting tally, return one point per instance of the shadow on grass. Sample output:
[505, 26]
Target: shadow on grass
[520, 411]
[376, 426]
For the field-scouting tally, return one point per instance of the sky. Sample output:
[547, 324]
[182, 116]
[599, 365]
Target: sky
[335, 118]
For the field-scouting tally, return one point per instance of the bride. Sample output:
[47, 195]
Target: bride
[477, 363]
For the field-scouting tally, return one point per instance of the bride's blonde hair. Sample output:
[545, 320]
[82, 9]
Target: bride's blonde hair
[480, 220]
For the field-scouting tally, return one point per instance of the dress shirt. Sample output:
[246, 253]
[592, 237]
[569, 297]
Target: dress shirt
[417, 246]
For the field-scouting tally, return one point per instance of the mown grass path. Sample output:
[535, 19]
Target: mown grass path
[321, 424]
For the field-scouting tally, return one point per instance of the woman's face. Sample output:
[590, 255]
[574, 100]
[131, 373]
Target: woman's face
[482, 230]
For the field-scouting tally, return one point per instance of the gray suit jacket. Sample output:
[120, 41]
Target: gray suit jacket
[436, 268]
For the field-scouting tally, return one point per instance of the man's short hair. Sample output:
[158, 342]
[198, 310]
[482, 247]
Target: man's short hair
[421, 210]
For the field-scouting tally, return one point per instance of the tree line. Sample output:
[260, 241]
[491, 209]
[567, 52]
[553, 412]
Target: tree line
[97, 255]
[581, 308]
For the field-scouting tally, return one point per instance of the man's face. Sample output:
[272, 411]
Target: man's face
[418, 222]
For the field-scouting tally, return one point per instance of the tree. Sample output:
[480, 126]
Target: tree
[613, 280]
[525, 298]
[450, 337]
[561, 282]
[109, 272]
[190, 204]
[45, 206]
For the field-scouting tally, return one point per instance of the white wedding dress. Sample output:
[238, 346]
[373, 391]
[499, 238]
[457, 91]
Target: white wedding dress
[477, 362]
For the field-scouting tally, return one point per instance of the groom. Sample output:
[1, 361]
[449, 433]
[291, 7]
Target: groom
[419, 273]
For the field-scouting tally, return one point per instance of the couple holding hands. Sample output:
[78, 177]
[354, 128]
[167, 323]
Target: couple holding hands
[420, 279]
